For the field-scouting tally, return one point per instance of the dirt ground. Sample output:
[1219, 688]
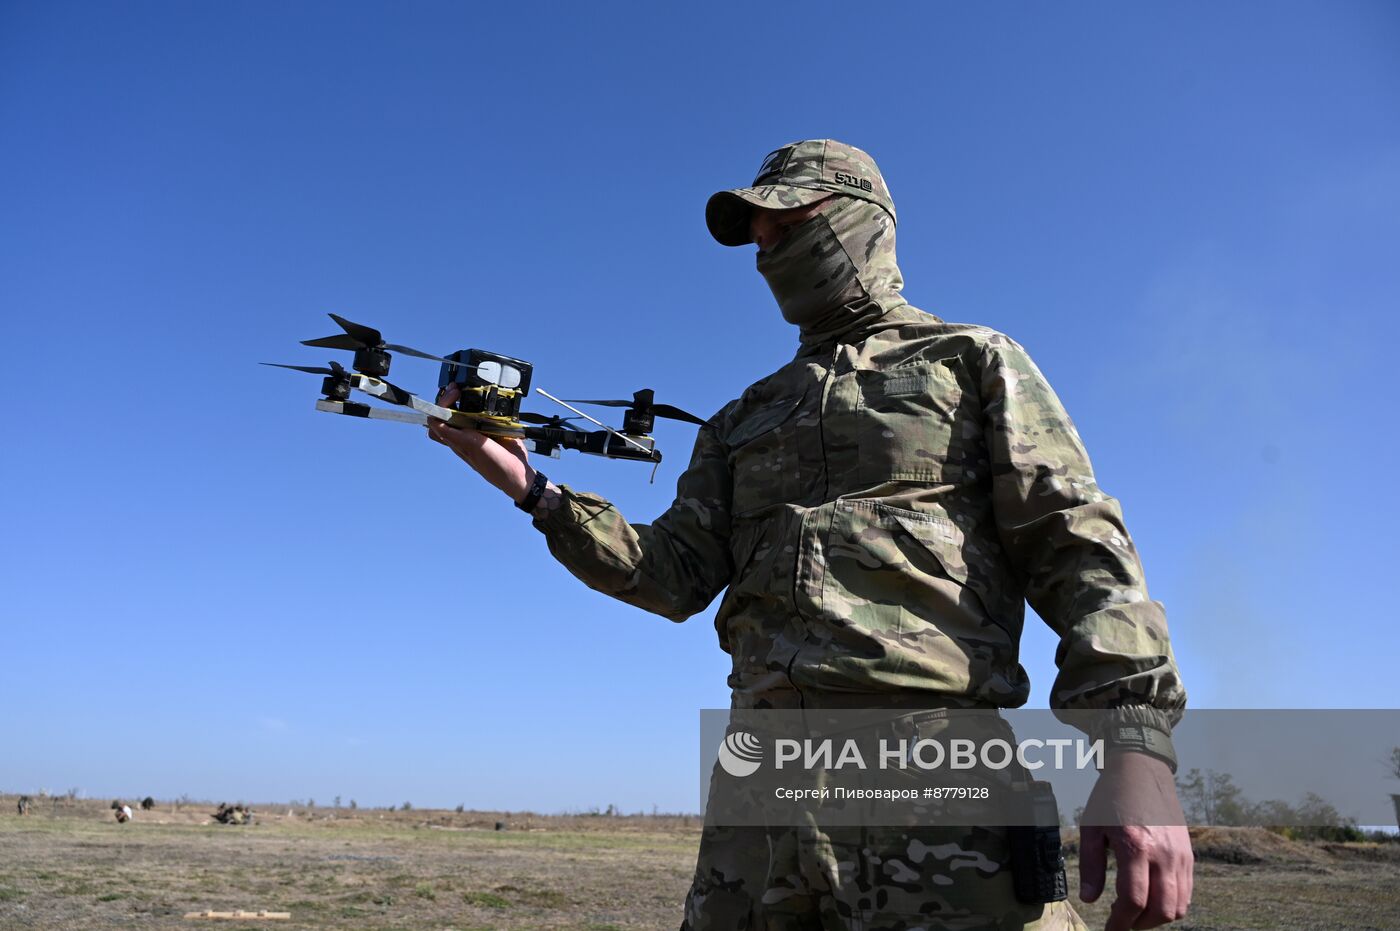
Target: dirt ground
[73, 867]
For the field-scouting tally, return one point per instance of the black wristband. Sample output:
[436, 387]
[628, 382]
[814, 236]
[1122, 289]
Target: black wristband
[532, 497]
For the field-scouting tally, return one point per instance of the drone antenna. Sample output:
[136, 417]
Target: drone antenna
[629, 441]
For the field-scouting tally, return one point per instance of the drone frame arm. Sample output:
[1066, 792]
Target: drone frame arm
[596, 443]
[387, 391]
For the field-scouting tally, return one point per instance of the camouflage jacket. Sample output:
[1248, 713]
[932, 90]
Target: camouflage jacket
[880, 509]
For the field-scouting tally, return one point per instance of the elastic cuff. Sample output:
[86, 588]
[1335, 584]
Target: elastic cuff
[1140, 728]
[567, 515]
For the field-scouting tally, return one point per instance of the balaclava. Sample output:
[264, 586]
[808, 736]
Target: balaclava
[837, 270]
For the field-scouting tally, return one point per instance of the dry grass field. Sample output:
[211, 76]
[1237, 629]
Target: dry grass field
[71, 866]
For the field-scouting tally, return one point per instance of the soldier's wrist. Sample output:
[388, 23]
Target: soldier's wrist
[535, 484]
[551, 499]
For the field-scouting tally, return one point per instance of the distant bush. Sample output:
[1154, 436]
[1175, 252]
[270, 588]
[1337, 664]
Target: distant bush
[407, 806]
[485, 900]
[1337, 834]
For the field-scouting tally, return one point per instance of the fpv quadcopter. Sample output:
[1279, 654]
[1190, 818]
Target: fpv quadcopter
[490, 388]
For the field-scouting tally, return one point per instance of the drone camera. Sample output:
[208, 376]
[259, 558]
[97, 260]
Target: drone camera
[488, 383]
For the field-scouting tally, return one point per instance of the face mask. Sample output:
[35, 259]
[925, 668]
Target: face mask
[809, 272]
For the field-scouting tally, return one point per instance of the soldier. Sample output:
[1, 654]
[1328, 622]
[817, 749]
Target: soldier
[23, 804]
[879, 510]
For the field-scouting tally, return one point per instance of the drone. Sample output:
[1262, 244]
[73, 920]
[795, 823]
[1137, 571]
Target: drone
[490, 389]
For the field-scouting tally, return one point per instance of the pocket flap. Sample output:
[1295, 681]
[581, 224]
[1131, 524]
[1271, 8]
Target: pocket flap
[940, 536]
[761, 421]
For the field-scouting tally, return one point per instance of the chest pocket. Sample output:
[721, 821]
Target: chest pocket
[908, 422]
[763, 456]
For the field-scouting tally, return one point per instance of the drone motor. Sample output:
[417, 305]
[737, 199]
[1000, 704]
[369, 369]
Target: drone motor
[336, 386]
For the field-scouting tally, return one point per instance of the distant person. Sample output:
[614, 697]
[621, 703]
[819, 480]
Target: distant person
[23, 805]
[879, 510]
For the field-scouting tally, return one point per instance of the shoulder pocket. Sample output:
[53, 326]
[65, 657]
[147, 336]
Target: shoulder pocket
[763, 456]
[909, 426]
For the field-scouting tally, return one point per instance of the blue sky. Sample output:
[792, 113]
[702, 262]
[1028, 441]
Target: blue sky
[1183, 210]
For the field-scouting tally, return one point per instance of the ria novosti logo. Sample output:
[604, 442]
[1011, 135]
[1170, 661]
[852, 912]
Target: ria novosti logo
[741, 754]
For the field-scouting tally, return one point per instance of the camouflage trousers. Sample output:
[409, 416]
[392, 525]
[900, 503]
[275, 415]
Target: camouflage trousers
[861, 879]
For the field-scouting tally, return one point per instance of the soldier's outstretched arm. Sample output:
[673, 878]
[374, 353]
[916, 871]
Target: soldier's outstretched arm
[673, 567]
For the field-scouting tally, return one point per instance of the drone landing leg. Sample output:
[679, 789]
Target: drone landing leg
[351, 409]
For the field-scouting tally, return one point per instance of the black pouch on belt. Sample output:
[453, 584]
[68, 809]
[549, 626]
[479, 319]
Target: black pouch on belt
[1037, 859]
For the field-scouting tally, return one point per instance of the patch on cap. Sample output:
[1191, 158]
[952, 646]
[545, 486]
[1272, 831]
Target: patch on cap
[772, 168]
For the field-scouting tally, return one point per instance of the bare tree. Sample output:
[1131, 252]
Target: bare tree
[1393, 764]
[1212, 798]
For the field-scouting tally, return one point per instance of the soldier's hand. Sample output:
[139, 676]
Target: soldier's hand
[1136, 797]
[502, 461]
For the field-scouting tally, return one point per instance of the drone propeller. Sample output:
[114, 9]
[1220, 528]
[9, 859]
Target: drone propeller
[357, 336]
[642, 403]
[335, 369]
[548, 421]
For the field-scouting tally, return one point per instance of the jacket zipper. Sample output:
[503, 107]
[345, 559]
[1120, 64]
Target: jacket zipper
[802, 525]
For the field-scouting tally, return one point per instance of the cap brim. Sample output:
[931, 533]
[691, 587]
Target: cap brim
[727, 213]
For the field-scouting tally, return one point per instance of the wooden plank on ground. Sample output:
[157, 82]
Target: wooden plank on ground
[242, 916]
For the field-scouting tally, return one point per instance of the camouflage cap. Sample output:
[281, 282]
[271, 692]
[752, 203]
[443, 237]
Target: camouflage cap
[796, 175]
